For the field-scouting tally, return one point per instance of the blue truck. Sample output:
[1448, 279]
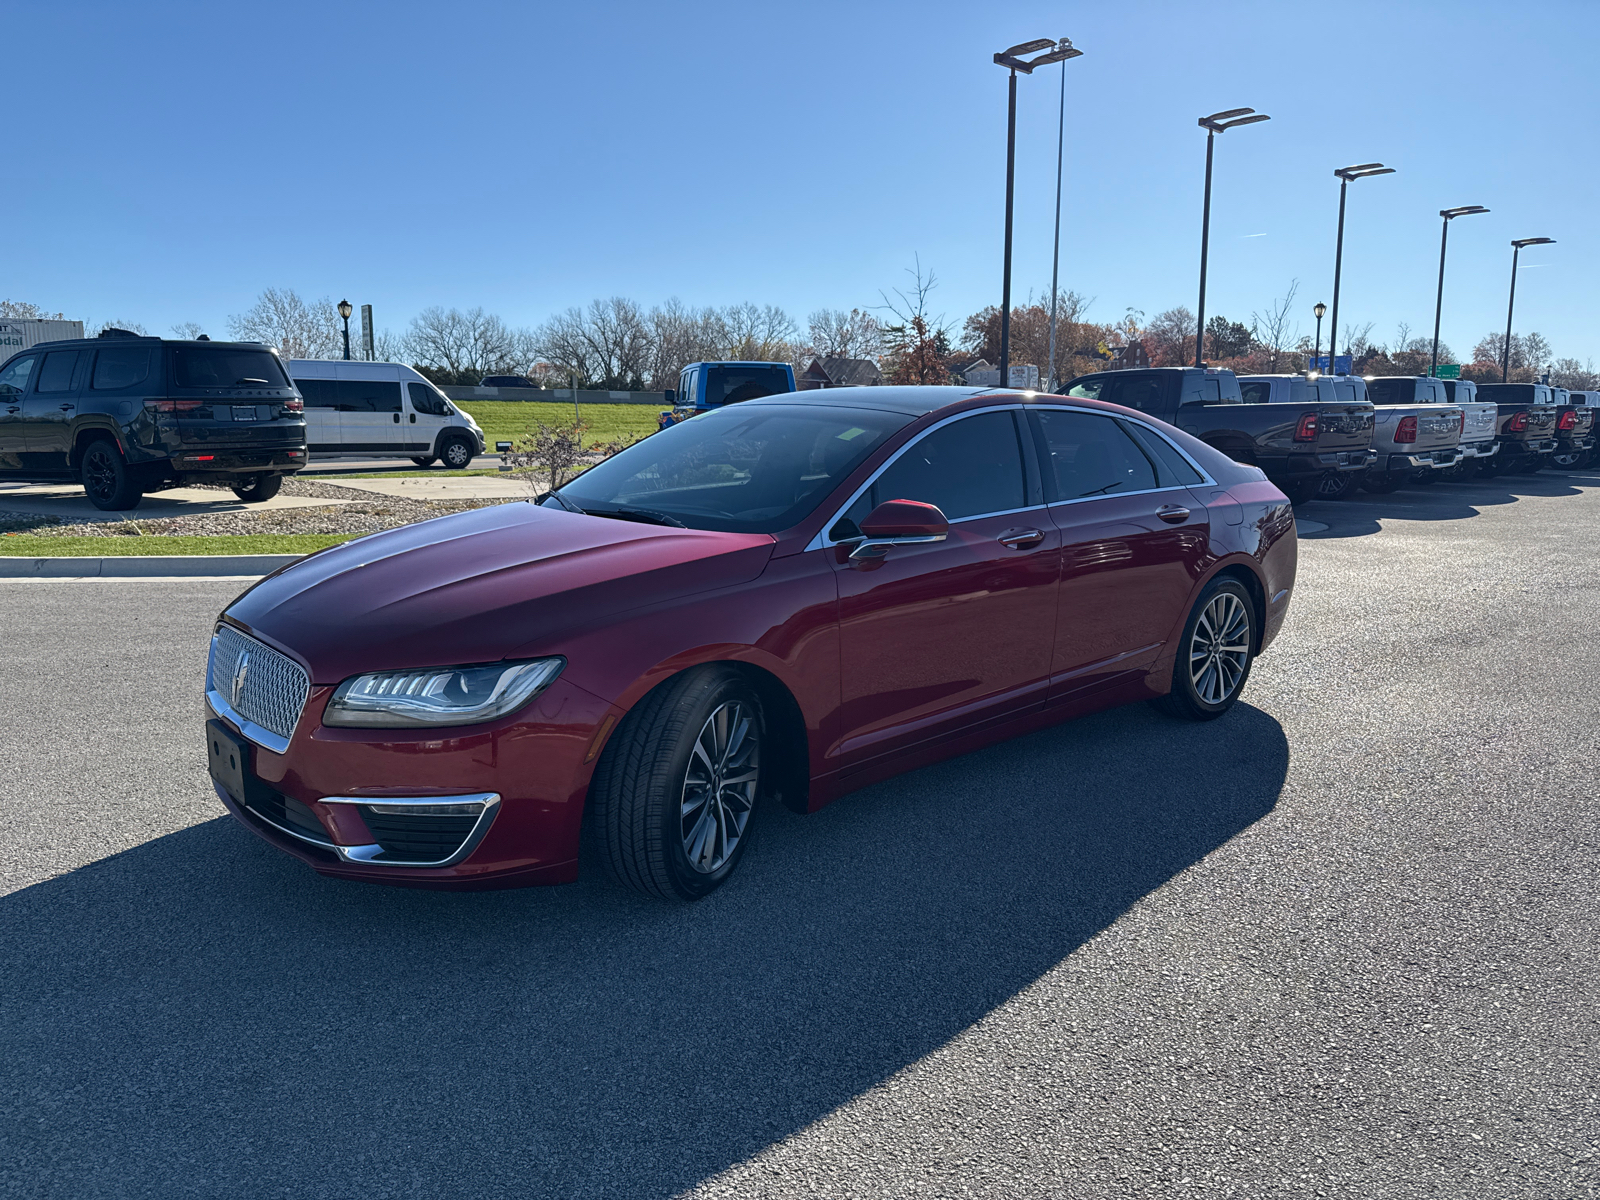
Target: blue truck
[706, 385]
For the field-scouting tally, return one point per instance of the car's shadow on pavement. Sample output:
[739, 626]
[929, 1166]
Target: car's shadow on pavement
[1360, 513]
[202, 1016]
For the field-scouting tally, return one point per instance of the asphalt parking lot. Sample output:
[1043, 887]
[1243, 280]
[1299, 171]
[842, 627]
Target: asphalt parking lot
[1341, 942]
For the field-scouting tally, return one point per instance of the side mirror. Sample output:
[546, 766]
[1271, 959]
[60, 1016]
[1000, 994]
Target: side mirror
[900, 523]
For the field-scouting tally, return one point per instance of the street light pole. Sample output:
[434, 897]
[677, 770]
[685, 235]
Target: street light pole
[1055, 261]
[344, 311]
[1345, 174]
[1319, 309]
[1516, 249]
[1011, 61]
[1449, 214]
[1214, 124]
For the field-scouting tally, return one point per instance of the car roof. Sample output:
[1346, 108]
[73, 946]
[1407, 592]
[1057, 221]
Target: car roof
[907, 401]
[123, 341]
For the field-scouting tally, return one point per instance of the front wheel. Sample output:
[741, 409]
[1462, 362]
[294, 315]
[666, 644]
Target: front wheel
[106, 480]
[262, 487]
[1214, 654]
[675, 792]
[457, 453]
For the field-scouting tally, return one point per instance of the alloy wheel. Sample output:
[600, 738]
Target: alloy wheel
[99, 473]
[719, 787]
[1565, 461]
[1333, 485]
[456, 454]
[1219, 651]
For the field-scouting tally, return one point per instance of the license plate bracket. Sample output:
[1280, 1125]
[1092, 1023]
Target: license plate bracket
[229, 758]
[244, 413]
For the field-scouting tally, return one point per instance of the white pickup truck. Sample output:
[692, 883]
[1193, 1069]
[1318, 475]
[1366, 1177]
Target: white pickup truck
[1415, 432]
[1479, 442]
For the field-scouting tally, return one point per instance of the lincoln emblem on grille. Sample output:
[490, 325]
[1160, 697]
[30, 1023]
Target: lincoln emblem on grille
[240, 671]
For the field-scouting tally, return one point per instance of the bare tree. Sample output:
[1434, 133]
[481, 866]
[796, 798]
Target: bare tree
[1169, 338]
[548, 455]
[188, 330]
[1402, 334]
[1273, 330]
[388, 346]
[758, 334]
[835, 333]
[1570, 373]
[1358, 340]
[22, 310]
[917, 344]
[1530, 354]
[607, 345]
[281, 318]
[95, 328]
[463, 346]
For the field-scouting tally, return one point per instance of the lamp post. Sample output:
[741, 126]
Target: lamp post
[1449, 214]
[1011, 60]
[1345, 174]
[344, 311]
[1055, 261]
[1214, 124]
[1319, 308]
[1516, 249]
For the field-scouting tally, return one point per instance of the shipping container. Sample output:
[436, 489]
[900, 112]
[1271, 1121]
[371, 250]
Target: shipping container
[18, 333]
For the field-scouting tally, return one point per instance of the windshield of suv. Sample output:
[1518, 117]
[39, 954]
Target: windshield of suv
[222, 367]
[738, 469]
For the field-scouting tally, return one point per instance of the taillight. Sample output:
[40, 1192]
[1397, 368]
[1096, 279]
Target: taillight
[1568, 419]
[1461, 422]
[168, 406]
[1306, 431]
[294, 406]
[1406, 431]
[1518, 423]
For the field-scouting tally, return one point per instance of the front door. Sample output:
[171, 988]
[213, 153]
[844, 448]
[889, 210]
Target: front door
[48, 410]
[1134, 541]
[428, 413]
[940, 637]
[14, 382]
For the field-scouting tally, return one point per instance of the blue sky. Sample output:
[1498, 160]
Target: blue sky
[169, 161]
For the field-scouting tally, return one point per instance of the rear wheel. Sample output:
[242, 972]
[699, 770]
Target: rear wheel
[675, 792]
[261, 487]
[456, 453]
[1214, 654]
[1565, 460]
[1336, 485]
[106, 480]
[425, 462]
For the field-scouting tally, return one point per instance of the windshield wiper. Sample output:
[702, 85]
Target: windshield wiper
[250, 383]
[562, 501]
[646, 516]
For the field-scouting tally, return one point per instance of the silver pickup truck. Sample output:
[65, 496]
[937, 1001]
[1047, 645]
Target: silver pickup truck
[1410, 436]
[1479, 441]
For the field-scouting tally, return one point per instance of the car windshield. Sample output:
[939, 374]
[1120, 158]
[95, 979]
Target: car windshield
[223, 367]
[741, 469]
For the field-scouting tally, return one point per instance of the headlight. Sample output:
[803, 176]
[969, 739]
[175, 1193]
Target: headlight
[439, 695]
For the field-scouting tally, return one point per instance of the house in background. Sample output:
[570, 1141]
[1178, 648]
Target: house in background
[838, 372]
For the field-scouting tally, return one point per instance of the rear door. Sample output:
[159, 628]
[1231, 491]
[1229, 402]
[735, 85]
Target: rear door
[48, 410]
[1134, 539]
[369, 408]
[427, 414]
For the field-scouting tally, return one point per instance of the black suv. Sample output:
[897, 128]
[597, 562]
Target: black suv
[125, 415]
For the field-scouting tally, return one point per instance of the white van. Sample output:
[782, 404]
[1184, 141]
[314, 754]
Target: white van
[382, 410]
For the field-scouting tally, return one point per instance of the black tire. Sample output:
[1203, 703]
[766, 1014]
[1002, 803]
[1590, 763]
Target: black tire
[637, 798]
[456, 453]
[1569, 460]
[1382, 483]
[106, 479]
[262, 487]
[425, 462]
[1336, 485]
[1205, 691]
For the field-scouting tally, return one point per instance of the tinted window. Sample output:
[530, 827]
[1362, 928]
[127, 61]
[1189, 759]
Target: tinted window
[360, 395]
[425, 400]
[969, 467]
[744, 469]
[1091, 455]
[14, 379]
[1392, 391]
[221, 367]
[55, 374]
[730, 385]
[1255, 392]
[1172, 468]
[120, 367]
[1211, 391]
[318, 393]
[1147, 393]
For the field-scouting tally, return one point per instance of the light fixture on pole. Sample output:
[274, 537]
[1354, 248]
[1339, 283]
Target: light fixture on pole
[1011, 59]
[344, 311]
[1214, 124]
[1345, 174]
[1320, 309]
[1511, 305]
[1449, 214]
[1055, 260]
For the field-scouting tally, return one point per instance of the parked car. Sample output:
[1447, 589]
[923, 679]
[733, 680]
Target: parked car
[125, 415]
[382, 410]
[1319, 389]
[1297, 443]
[1479, 419]
[1574, 429]
[1414, 431]
[507, 381]
[1526, 426]
[780, 600]
[1571, 460]
[703, 386]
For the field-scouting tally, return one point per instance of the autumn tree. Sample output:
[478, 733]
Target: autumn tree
[916, 344]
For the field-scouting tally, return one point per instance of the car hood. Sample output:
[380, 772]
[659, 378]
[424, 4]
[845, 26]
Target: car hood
[474, 586]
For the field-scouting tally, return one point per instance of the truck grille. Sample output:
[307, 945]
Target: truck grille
[256, 682]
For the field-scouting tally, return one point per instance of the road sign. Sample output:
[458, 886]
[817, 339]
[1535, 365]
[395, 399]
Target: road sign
[1341, 364]
[1447, 371]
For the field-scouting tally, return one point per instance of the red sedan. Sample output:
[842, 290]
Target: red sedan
[782, 600]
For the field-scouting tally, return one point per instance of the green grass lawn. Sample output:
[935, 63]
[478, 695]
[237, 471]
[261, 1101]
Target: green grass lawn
[28, 545]
[508, 420]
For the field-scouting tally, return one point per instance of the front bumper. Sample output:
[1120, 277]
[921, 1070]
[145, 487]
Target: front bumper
[1436, 459]
[530, 773]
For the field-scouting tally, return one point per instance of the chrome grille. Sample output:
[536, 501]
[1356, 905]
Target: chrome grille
[271, 689]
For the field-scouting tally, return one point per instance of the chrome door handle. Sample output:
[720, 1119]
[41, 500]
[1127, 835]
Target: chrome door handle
[1021, 539]
[1172, 514]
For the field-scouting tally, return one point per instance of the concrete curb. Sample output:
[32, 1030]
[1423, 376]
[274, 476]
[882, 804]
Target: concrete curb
[144, 566]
